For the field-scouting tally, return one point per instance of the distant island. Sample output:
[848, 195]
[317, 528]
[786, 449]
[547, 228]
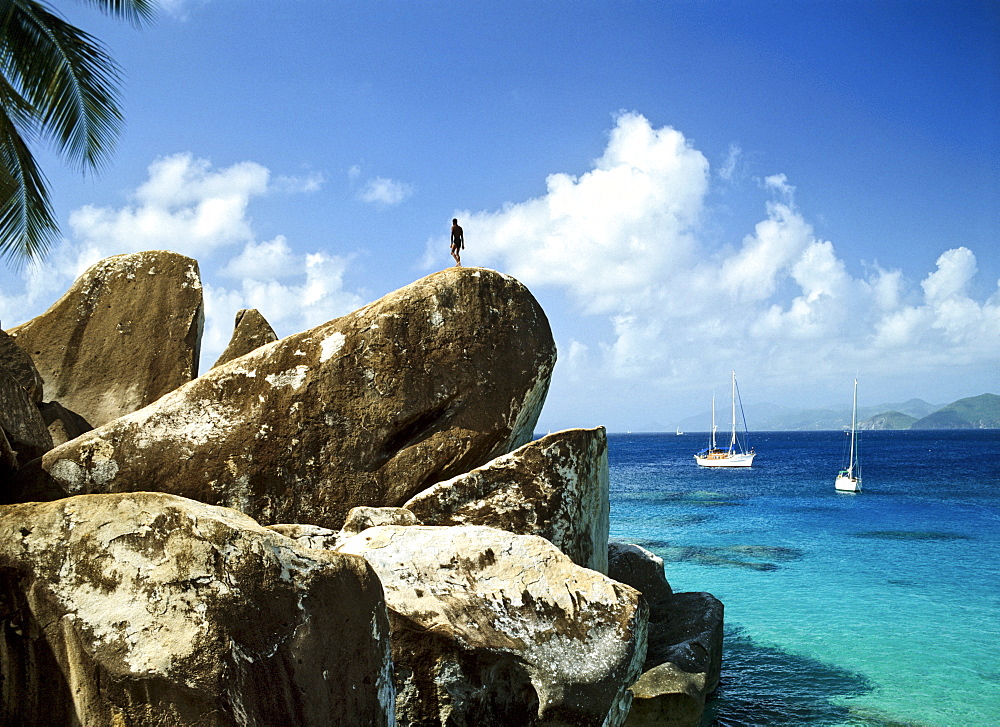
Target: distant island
[975, 412]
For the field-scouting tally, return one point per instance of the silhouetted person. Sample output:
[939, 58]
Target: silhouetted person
[457, 242]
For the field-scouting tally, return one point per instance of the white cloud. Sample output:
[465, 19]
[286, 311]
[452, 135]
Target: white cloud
[955, 270]
[623, 241]
[729, 169]
[387, 192]
[312, 182]
[189, 206]
[779, 183]
[609, 235]
[185, 205]
[270, 259]
[179, 9]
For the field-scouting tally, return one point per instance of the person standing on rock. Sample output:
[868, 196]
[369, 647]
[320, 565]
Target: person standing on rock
[457, 242]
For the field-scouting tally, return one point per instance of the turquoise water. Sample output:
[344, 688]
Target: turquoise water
[878, 608]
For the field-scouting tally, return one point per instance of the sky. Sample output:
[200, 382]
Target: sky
[800, 191]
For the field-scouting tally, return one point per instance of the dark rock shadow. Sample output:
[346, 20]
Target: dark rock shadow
[762, 685]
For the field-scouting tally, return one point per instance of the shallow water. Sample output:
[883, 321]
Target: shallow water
[877, 608]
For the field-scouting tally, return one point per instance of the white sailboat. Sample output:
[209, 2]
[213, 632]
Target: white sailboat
[849, 479]
[736, 455]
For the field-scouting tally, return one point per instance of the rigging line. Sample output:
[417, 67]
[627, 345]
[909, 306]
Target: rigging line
[746, 430]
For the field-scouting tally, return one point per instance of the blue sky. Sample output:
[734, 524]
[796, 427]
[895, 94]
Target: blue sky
[800, 191]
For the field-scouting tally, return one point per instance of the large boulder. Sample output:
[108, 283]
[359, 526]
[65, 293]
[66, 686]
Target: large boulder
[21, 421]
[369, 409]
[643, 570]
[555, 487]
[127, 332]
[16, 361]
[684, 654]
[250, 332]
[490, 628]
[150, 609]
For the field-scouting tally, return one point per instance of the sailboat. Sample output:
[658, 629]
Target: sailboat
[849, 479]
[736, 455]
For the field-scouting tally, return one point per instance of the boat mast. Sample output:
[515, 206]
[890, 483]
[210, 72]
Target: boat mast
[854, 423]
[713, 421]
[732, 440]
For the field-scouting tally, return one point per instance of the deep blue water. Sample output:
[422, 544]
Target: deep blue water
[877, 608]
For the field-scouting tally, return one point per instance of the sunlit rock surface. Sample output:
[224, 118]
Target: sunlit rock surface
[250, 332]
[493, 628]
[150, 609]
[424, 384]
[555, 487]
[127, 332]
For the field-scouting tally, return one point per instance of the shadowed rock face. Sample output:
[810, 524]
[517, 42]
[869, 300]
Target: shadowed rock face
[250, 332]
[369, 409]
[63, 424]
[19, 365]
[492, 628]
[126, 333]
[146, 609]
[21, 421]
[555, 487]
[684, 654]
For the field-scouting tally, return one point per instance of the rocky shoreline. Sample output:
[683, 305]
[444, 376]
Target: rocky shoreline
[350, 525]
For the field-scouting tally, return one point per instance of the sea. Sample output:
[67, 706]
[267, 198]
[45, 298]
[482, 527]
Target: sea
[874, 608]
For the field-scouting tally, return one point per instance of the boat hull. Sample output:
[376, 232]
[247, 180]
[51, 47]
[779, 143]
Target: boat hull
[847, 484]
[726, 460]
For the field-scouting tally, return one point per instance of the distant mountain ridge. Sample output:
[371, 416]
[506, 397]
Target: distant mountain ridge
[976, 412]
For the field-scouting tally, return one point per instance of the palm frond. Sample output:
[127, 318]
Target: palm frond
[27, 222]
[67, 76]
[134, 11]
[57, 84]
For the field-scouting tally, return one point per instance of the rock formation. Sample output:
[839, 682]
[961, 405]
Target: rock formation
[642, 570]
[126, 333]
[132, 607]
[150, 609]
[368, 409]
[21, 421]
[490, 628]
[684, 655]
[16, 362]
[250, 332]
[555, 487]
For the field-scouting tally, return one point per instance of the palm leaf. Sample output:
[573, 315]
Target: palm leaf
[134, 11]
[66, 76]
[57, 84]
[27, 223]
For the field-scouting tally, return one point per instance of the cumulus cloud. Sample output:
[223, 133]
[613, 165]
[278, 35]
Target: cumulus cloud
[624, 241]
[192, 207]
[608, 235]
[185, 205]
[386, 192]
